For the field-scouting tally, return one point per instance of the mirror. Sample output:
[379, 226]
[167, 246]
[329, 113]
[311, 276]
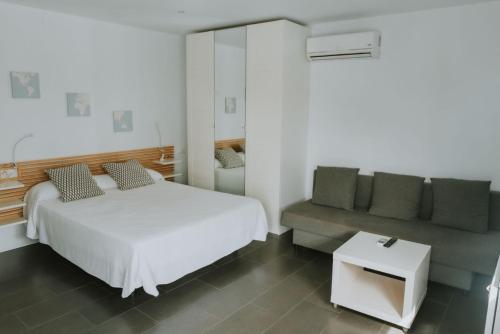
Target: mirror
[230, 91]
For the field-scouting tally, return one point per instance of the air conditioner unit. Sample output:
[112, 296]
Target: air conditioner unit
[355, 45]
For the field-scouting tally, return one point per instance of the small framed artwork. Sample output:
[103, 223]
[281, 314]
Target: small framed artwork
[78, 104]
[230, 105]
[25, 85]
[123, 121]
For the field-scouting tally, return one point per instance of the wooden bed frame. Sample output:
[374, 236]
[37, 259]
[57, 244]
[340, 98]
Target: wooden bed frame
[33, 172]
[233, 143]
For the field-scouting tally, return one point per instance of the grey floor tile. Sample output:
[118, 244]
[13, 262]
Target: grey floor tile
[322, 296]
[440, 293]
[281, 267]
[11, 325]
[249, 319]
[428, 318]
[189, 321]
[348, 322]
[103, 309]
[285, 295]
[316, 272]
[302, 253]
[61, 304]
[465, 315]
[130, 322]
[24, 298]
[272, 249]
[225, 274]
[70, 323]
[176, 301]
[306, 318]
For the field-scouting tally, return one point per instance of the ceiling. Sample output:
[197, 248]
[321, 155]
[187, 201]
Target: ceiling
[182, 16]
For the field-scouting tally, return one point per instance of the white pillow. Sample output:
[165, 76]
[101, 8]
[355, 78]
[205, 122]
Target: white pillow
[105, 182]
[155, 175]
[241, 155]
[218, 163]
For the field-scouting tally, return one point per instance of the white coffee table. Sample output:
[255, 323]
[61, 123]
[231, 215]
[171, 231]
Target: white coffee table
[386, 283]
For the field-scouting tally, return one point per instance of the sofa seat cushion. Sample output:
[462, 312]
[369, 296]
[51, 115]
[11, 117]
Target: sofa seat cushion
[459, 249]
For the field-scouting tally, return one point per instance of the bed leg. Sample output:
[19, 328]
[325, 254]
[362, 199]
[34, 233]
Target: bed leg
[296, 249]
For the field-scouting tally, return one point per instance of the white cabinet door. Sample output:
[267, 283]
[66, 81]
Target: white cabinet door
[200, 109]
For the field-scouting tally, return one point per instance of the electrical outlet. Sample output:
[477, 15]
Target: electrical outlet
[8, 173]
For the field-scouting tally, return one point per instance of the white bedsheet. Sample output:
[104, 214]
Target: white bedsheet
[230, 180]
[147, 236]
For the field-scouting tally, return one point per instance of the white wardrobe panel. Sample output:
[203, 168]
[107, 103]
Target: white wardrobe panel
[200, 109]
[277, 115]
[263, 123]
[295, 115]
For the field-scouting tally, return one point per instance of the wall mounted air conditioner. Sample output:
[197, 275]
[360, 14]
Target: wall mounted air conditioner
[355, 45]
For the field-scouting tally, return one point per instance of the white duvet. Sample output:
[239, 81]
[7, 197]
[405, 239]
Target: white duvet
[147, 236]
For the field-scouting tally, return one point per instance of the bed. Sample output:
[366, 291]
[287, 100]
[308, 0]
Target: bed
[230, 180]
[146, 236]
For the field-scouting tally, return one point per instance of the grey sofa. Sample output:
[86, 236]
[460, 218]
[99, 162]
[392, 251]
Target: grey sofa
[455, 257]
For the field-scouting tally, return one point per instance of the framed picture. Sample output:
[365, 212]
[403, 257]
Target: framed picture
[123, 121]
[230, 105]
[78, 104]
[25, 85]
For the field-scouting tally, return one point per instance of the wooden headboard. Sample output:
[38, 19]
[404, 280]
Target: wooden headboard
[33, 172]
[234, 143]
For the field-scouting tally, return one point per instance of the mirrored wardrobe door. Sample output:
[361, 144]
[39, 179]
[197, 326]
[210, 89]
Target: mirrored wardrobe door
[230, 102]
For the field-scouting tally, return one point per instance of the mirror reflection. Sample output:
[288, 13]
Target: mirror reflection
[230, 88]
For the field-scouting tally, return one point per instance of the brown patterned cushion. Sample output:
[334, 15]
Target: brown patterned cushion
[228, 158]
[74, 182]
[128, 175]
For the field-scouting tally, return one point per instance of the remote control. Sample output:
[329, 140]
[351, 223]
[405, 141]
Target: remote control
[390, 242]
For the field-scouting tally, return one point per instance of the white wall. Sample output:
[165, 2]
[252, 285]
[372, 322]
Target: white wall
[429, 106]
[230, 67]
[122, 68]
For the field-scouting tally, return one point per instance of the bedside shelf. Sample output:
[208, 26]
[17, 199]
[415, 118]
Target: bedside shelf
[167, 162]
[12, 222]
[10, 185]
[9, 205]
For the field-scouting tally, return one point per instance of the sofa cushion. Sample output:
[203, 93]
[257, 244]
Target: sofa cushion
[459, 249]
[461, 204]
[396, 196]
[363, 192]
[335, 187]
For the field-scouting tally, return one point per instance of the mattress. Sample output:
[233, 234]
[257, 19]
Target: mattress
[147, 236]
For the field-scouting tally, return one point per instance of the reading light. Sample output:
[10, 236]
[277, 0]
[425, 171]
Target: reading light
[159, 141]
[29, 135]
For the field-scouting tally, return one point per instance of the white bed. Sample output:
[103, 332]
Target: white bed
[230, 180]
[147, 236]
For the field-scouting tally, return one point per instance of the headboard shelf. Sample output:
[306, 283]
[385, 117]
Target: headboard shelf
[33, 172]
[236, 144]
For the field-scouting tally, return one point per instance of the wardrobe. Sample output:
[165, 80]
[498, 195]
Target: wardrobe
[276, 107]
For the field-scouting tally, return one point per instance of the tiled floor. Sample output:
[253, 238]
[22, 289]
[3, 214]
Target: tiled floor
[264, 288]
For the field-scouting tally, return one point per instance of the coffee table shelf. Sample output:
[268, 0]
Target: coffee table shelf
[386, 283]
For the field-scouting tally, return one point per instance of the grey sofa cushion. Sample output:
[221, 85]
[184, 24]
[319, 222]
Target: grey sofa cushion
[335, 187]
[460, 249]
[461, 204]
[396, 196]
[363, 192]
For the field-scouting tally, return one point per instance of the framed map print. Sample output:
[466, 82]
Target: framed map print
[25, 85]
[122, 121]
[78, 104]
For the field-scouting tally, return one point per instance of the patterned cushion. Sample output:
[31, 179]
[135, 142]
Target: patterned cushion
[228, 158]
[74, 182]
[129, 175]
